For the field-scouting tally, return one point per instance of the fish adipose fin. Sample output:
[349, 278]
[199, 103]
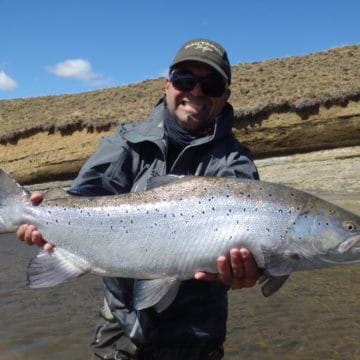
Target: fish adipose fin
[52, 268]
[159, 293]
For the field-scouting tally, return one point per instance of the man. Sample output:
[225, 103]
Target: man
[187, 133]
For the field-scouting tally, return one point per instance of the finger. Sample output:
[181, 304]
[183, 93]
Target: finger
[224, 269]
[20, 233]
[36, 197]
[251, 271]
[48, 247]
[37, 238]
[28, 234]
[200, 275]
[237, 266]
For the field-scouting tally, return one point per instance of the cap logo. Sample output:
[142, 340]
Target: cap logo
[204, 46]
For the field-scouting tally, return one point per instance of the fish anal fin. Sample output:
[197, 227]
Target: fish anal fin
[159, 293]
[48, 269]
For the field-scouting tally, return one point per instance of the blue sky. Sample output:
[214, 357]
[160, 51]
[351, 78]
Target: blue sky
[52, 47]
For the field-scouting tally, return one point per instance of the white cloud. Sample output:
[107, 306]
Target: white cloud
[74, 68]
[6, 82]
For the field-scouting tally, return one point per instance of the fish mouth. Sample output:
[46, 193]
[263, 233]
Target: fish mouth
[353, 242]
[348, 252]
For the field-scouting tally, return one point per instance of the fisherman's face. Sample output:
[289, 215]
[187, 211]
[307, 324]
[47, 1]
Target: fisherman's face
[193, 109]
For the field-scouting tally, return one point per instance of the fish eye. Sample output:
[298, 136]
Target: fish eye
[349, 226]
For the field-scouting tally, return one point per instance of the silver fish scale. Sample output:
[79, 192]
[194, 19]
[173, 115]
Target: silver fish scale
[185, 225]
[171, 234]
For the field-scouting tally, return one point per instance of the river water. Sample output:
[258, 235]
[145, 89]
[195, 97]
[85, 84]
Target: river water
[316, 315]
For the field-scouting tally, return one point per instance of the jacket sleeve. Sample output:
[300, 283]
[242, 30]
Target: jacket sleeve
[232, 159]
[108, 171]
[240, 165]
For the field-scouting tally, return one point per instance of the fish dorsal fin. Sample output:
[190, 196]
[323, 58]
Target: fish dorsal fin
[55, 193]
[159, 293]
[157, 181]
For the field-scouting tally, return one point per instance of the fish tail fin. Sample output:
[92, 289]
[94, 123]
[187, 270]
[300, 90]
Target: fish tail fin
[11, 195]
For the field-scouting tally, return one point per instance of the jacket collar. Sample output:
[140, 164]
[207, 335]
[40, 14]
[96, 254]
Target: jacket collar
[153, 128]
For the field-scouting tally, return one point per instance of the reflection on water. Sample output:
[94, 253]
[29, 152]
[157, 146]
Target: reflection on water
[316, 315]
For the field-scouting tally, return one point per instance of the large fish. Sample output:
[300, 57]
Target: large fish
[164, 235]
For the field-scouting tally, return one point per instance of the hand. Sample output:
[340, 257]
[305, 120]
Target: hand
[29, 233]
[240, 272]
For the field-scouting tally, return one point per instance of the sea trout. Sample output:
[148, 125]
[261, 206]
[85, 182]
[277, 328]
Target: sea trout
[178, 227]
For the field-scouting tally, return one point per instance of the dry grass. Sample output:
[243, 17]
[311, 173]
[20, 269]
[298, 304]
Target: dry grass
[297, 83]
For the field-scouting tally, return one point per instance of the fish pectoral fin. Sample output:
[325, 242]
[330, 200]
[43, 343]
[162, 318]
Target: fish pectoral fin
[52, 268]
[281, 263]
[159, 293]
[273, 284]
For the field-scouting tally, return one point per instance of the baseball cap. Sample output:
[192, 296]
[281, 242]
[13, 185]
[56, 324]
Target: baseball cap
[206, 51]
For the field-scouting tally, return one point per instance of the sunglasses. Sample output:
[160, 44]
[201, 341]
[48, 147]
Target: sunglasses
[212, 85]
